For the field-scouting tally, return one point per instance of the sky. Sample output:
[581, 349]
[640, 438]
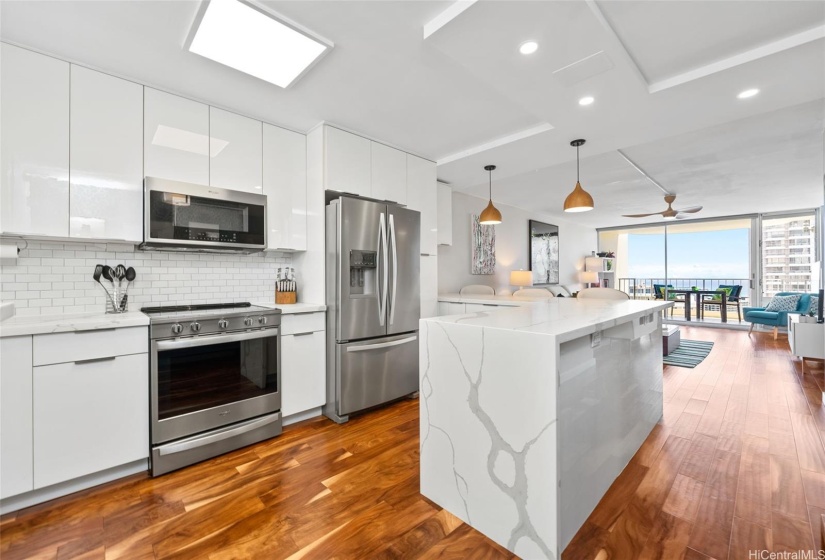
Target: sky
[720, 254]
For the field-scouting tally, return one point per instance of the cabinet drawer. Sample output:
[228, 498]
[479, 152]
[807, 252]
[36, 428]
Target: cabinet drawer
[89, 345]
[89, 417]
[479, 307]
[303, 322]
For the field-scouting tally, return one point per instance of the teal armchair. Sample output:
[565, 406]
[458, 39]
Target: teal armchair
[776, 319]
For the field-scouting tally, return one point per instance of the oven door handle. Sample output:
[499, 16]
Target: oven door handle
[200, 441]
[208, 340]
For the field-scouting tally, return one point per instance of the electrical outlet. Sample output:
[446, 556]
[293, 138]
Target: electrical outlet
[595, 339]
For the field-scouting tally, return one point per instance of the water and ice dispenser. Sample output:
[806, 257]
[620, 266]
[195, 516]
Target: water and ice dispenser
[362, 271]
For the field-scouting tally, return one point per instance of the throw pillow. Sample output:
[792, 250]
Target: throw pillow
[814, 308]
[783, 303]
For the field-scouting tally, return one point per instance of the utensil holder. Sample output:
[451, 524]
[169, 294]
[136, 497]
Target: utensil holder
[286, 298]
[122, 301]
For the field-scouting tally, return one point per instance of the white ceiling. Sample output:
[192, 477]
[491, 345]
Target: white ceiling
[466, 86]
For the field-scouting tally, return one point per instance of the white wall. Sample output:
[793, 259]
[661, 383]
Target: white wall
[56, 277]
[576, 242]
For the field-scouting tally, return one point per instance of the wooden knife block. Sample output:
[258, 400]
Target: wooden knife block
[286, 298]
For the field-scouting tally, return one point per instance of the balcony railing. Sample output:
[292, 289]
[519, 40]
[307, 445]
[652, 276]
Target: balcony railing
[642, 288]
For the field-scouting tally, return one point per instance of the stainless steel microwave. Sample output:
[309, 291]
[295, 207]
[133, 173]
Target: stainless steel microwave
[188, 217]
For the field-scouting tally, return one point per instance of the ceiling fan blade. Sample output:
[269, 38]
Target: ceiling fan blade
[690, 210]
[640, 215]
[681, 216]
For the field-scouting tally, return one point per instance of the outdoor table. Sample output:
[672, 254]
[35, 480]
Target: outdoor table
[723, 302]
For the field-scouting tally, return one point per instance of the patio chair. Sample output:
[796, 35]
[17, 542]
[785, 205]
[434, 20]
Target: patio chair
[659, 293]
[734, 298]
[776, 319]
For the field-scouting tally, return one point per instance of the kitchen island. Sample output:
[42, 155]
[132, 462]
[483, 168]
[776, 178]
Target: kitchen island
[528, 414]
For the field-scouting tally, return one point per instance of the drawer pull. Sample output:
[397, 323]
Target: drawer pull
[302, 333]
[92, 360]
[300, 313]
[95, 330]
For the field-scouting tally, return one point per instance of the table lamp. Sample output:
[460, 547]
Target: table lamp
[589, 277]
[521, 278]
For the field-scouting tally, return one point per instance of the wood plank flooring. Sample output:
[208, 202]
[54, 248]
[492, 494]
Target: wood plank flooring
[737, 463]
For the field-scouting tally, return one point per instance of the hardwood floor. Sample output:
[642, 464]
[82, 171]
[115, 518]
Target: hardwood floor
[737, 463]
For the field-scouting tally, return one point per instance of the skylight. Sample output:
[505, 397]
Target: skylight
[238, 35]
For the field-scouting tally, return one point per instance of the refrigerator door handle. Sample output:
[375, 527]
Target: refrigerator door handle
[382, 252]
[394, 268]
[365, 347]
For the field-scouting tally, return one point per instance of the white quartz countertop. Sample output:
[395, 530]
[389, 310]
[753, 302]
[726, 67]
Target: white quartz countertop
[295, 307]
[44, 324]
[482, 299]
[565, 318]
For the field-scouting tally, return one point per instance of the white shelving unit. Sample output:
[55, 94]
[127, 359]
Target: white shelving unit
[605, 267]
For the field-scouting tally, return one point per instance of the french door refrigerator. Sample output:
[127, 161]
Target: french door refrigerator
[372, 284]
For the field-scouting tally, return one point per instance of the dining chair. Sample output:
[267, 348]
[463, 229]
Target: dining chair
[602, 293]
[477, 289]
[533, 293]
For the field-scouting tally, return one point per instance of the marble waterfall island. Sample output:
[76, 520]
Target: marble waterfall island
[529, 414]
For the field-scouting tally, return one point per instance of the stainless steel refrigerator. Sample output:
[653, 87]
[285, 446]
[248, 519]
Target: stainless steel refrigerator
[372, 282]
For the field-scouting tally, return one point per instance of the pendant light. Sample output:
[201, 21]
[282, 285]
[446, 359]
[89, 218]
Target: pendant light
[579, 200]
[490, 215]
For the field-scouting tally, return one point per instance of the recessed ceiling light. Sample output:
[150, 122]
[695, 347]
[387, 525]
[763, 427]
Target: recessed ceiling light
[246, 38]
[528, 47]
[748, 93]
[586, 100]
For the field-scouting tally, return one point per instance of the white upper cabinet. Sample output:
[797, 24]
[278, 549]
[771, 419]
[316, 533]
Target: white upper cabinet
[235, 147]
[106, 161]
[285, 185]
[34, 152]
[347, 162]
[422, 196]
[175, 138]
[445, 214]
[389, 173]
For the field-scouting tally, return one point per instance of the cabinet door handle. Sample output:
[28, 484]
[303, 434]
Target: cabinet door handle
[93, 360]
[302, 333]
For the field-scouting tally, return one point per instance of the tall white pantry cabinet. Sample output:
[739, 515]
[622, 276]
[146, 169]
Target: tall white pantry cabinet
[344, 162]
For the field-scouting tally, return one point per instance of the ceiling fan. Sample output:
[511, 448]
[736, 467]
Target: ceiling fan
[670, 213]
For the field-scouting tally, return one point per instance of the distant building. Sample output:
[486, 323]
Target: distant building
[787, 254]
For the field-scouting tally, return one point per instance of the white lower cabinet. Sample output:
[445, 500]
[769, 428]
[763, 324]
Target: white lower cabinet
[15, 416]
[303, 363]
[89, 416]
[450, 308]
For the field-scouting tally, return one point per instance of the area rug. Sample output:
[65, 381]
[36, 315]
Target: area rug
[689, 353]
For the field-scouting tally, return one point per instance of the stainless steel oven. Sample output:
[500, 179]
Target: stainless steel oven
[215, 381]
[187, 217]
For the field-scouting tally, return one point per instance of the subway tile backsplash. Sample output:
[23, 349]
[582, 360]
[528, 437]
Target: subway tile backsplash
[56, 278]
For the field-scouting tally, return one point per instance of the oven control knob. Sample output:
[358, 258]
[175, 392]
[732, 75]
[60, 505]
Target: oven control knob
[262, 320]
[177, 328]
[248, 321]
[223, 323]
[195, 326]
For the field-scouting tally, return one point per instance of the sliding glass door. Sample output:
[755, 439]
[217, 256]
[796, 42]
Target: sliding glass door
[699, 255]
